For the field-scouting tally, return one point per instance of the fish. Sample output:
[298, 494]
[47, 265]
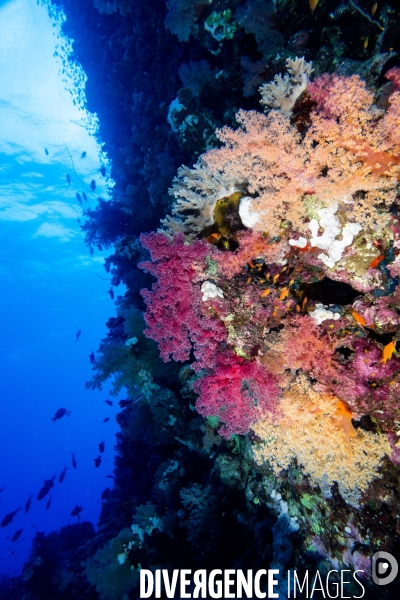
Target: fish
[284, 293]
[9, 517]
[28, 504]
[97, 462]
[213, 238]
[275, 277]
[111, 292]
[376, 261]
[92, 358]
[44, 490]
[388, 351]
[60, 414]
[109, 402]
[313, 4]
[46, 152]
[83, 154]
[373, 8]
[16, 535]
[93, 185]
[62, 474]
[48, 503]
[78, 334]
[106, 419]
[84, 196]
[358, 318]
[78, 197]
[76, 512]
[103, 171]
[74, 463]
[101, 447]
[68, 179]
[265, 293]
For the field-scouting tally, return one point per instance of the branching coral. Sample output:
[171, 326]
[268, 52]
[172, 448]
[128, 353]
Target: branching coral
[283, 92]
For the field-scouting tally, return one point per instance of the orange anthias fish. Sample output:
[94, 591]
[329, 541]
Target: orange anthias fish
[265, 293]
[284, 293]
[376, 261]
[388, 351]
[358, 318]
[313, 5]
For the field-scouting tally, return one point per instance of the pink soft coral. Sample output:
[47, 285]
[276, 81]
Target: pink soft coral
[238, 392]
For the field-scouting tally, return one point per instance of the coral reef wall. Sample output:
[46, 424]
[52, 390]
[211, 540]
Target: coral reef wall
[255, 147]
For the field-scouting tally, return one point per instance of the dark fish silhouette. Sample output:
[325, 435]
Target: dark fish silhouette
[92, 357]
[78, 197]
[60, 414]
[16, 535]
[62, 474]
[84, 196]
[74, 463]
[9, 517]
[109, 402]
[48, 503]
[48, 484]
[77, 512]
[83, 154]
[106, 419]
[46, 152]
[78, 335]
[105, 494]
[103, 171]
[91, 250]
[68, 179]
[101, 446]
[28, 504]
[97, 462]
[93, 185]
[111, 292]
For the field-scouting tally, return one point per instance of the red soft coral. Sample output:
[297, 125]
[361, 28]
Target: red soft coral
[238, 392]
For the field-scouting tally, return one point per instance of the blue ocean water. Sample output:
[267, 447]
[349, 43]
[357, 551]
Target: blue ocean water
[52, 286]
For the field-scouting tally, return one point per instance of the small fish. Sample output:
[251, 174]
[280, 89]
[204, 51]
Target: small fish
[109, 402]
[28, 504]
[111, 292]
[305, 300]
[78, 197]
[275, 277]
[313, 4]
[365, 44]
[358, 318]
[97, 462]
[62, 474]
[376, 261]
[103, 171]
[46, 152]
[60, 414]
[44, 490]
[76, 512]
[93, 185]
[78, 335]
[16, 535]
[213, 238]
[284, 293]
[106, 419]
[92, 358]
[265, 293]
[48, 504]
[388, 351]
[101, 447]
[84, 196]
[83, 154]
[373, 8]
[9, 517]
[68, 179]
[74, 463]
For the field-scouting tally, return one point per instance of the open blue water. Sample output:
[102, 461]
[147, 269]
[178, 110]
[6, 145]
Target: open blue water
[51, 286]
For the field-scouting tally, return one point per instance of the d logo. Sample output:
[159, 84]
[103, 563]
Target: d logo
[384, 568]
